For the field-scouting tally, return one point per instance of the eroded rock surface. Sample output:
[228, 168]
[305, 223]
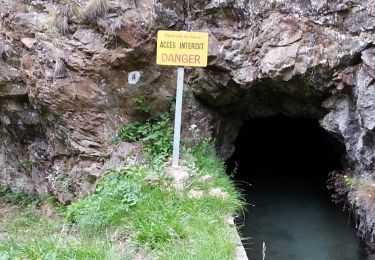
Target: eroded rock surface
[64, 95]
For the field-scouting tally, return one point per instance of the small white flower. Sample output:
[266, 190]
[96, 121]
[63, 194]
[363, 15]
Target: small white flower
[192, 127]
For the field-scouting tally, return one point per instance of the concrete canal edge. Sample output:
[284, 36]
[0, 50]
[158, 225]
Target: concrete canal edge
[240, 249]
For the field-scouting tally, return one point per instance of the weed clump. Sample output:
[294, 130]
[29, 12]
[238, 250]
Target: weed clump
[116, 193]
[60, 21]
[17, 197]
[71, 8]
[359, 191]
[96, 9]
[156, 134]
[25, 234]
[67, 11]
[60, 69]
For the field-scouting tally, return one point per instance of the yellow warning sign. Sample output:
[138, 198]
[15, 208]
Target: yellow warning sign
[188, 49]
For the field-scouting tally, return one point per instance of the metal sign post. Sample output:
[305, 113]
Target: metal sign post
[178, 113]
[181, 49]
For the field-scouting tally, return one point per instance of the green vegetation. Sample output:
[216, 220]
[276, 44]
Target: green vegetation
[116, 193]
[156, 134]
[141, 106]
[24, 234]
[167, 221]
[350, 181]
[18, 197]
[180, 227]
[26, 163]
[135, 209]
[359, 193]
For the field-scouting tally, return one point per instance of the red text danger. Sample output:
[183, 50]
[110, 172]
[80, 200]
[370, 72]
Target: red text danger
[181, 58]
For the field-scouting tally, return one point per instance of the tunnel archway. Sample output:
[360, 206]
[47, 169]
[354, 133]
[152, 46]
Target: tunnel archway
[282, 165]
[285, 148]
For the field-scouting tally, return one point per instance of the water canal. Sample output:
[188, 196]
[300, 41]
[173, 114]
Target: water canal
[282, 168]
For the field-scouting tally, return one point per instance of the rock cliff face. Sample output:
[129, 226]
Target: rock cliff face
[64, 69]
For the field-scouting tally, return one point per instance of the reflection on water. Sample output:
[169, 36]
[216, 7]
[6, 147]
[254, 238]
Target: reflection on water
[297, 221]
[287, 161]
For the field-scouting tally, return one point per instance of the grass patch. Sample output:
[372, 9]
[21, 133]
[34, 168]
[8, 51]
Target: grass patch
[96, 9]
[176, 227]
[139, 205]
[61, 23]
[17, 197]
[70, 8]
[25, 234]
[116, 193]
[165, 220]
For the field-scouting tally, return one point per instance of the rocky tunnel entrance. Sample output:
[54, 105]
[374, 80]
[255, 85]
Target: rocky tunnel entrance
[282, 165]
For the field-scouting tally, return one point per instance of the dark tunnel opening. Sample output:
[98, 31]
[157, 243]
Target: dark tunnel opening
[286, 149]
[281, 164]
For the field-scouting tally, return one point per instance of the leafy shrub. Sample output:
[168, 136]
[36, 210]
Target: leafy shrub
[116, 193]
[351, 181]
[17, 197]
[133, 132]
[157, 135]
[141, 105]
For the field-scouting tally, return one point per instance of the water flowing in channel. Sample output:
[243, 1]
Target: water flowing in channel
[297, 221]
[282, 167]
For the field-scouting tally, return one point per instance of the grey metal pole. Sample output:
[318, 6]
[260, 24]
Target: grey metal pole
[177, 120]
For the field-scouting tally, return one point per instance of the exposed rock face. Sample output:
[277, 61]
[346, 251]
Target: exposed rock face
[64, 90]
[64, 97]
[280, 57]
[352, 113]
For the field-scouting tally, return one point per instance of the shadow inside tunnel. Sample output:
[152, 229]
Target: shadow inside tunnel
[281, 165]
